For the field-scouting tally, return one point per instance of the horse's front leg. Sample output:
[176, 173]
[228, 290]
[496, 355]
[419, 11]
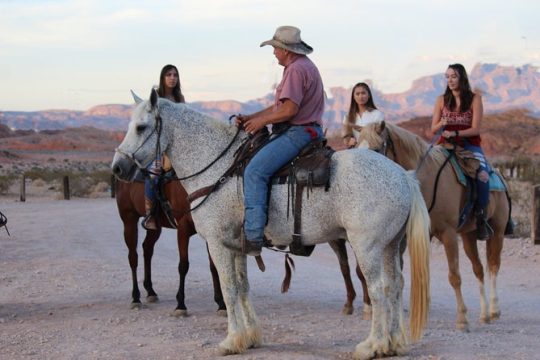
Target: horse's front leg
[471, 250]
[493, 249]
[450, 242]
[182, 238]
[251, 322]
[224, 260]
[148, 249]
[130, 238]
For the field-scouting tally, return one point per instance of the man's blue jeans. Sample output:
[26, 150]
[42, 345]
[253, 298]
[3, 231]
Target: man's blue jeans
[260, 169]
[482, 187]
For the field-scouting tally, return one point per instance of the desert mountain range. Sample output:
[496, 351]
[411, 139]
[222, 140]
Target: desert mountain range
[507, 135]
[503, 88]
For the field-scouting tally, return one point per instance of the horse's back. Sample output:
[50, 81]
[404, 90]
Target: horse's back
[367, 184]
[368, 193]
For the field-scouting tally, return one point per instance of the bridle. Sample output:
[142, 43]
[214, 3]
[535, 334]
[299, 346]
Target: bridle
[387, 144]
[131, 156]
[157, 129]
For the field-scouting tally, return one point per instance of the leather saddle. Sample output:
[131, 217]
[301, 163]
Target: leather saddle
[309, 169]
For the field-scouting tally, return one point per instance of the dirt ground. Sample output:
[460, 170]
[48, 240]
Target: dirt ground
[65, 289]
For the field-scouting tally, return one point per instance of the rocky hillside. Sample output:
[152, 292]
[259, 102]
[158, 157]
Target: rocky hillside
[503, 88]
[506, 135]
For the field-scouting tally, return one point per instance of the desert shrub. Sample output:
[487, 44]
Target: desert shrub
[82, 182]
[5, 183]
[39, 182]
[98, 189]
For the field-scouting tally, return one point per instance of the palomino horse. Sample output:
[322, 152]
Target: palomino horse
[130, 202]
[407, 149]
[371, 202]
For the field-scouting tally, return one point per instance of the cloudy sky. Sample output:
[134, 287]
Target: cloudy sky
[74, 54]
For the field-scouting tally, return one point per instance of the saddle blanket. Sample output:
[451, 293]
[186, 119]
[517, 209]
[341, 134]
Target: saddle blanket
[495, 181]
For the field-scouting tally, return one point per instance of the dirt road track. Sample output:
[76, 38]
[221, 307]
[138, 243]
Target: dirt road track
[65, 294]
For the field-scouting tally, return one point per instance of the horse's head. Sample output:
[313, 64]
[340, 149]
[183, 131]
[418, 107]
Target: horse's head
[374, 136]
[142, 141]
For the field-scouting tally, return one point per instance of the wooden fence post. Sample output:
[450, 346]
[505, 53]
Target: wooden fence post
[113, 186]
[66, 187]
[23, 188]
[535, 218]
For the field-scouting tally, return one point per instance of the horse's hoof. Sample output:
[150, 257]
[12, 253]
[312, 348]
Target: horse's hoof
[235, 343]
[222, 313]
[495, 315]
[180, 313]
[464, 327]
[364, 351]
[224, 352]
[135, 306]
[485, 319]
[152, 299]
[347, 310]
[254, 337]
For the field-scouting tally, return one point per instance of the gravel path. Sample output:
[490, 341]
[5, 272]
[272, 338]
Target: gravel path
[65, 293]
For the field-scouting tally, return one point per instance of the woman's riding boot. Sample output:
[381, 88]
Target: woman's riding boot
[149, 222]
[483, 230]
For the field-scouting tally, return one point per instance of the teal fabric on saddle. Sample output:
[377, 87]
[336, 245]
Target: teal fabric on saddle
[495, 181]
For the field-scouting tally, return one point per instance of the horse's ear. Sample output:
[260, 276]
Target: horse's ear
[153, 98]
[137, 99]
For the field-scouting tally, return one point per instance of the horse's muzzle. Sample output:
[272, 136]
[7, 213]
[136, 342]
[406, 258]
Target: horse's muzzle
[123, 169]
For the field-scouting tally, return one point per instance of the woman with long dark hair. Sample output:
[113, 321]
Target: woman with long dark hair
[169, 88]
[362, 111]
[458, 113]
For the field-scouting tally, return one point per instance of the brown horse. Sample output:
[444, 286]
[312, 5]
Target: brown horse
[407, 149]
[130, 201]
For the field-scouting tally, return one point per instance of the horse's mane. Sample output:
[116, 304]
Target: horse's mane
[412, 146]
[190, 114]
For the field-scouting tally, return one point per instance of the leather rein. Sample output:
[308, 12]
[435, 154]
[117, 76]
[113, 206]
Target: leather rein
[388, 143]
[198, 193]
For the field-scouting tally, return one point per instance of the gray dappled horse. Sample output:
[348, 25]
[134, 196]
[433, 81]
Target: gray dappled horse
[371, 202]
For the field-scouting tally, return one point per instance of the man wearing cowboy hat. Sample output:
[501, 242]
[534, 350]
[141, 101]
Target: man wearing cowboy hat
[296, 115]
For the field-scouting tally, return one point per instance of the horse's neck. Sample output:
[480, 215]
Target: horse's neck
[196, 142]
[410, 148]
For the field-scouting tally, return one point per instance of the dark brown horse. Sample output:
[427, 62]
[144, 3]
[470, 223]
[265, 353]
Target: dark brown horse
[130, 201]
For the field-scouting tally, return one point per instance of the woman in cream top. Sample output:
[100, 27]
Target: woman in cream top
[362, 111]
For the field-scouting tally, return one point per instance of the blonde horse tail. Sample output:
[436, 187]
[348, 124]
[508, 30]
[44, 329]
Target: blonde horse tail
[418, 238]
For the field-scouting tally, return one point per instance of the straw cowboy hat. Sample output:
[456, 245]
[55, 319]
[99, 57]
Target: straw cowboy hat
[288, 38]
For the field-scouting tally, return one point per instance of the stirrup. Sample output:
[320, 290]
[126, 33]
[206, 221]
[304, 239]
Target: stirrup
[146, 219]
[509, 229]
[168, 211]
[483, 231]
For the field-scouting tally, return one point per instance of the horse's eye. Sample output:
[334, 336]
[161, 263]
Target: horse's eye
[140, 128]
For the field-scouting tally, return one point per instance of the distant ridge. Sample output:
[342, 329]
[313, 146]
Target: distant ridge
[503, 88]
